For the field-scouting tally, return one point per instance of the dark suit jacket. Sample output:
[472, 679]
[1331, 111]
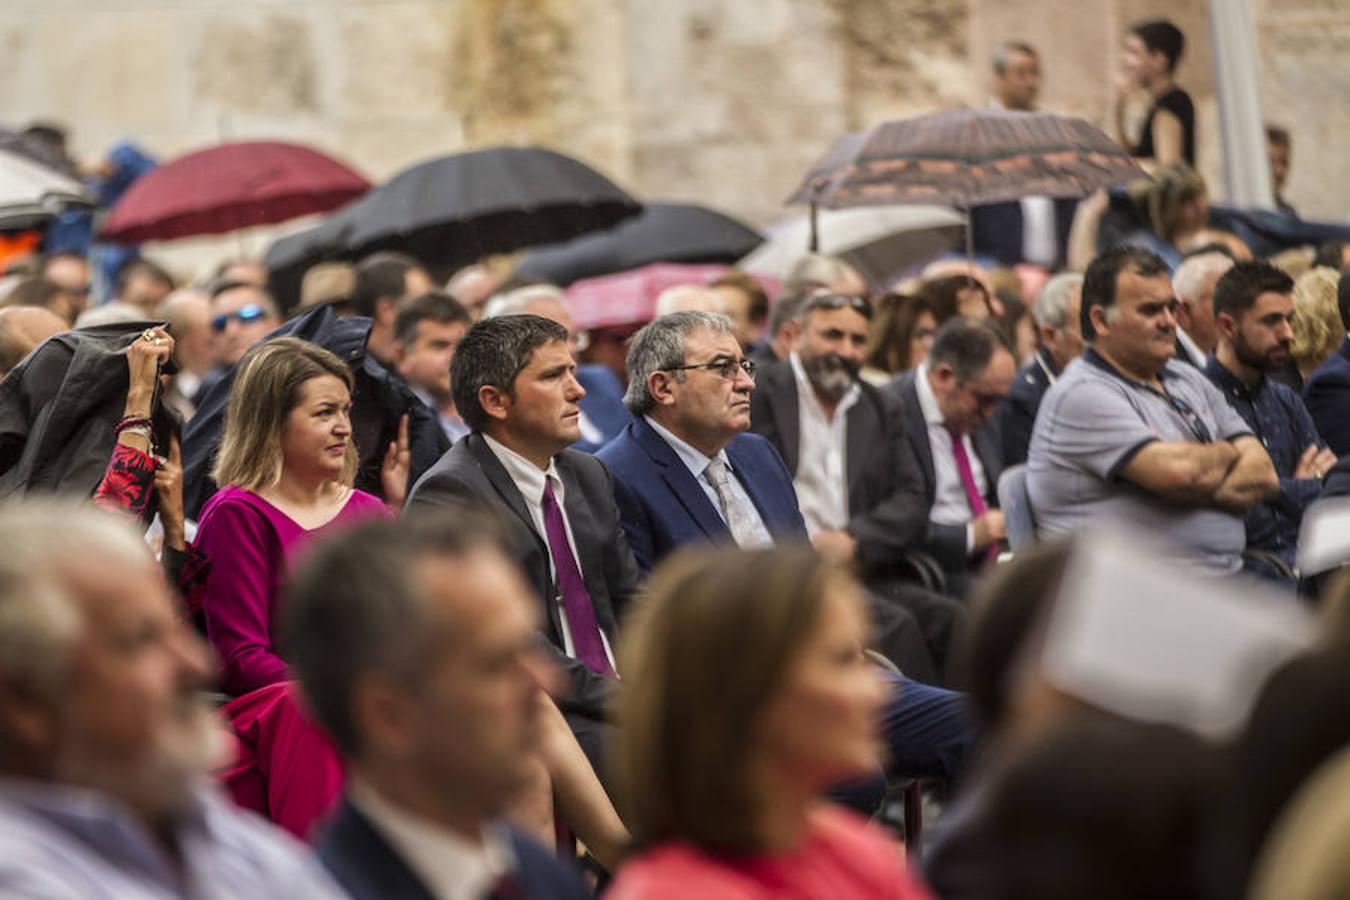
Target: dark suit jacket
[1017, 412]
[362, 862]
[996, 229]
[947, 543]
[603, 404]
[471, 470]
[1327, 395]
[887, 513]
[664, 507]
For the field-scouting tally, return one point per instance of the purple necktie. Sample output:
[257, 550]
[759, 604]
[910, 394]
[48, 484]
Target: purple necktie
[977, 505]
[576, 600]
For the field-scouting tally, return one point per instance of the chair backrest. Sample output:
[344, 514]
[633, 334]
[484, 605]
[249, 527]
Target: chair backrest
[1016, 506]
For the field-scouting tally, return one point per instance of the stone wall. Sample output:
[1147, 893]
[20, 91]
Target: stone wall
[726, 103]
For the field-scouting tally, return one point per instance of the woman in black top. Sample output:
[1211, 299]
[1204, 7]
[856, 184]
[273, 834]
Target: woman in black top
[1152, 50]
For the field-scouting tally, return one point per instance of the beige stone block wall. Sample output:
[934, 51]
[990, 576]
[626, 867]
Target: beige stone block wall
[727, 103]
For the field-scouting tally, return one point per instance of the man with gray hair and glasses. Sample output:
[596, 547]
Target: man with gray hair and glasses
[106, 737]
[1056, 314]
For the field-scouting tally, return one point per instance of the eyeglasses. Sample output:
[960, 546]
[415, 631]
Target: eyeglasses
[860, 305]
[250, 313]
[725, 367]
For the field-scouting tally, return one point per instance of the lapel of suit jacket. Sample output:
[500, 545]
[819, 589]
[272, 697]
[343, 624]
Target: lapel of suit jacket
[501, 481]
[917, 427]
[987, 448]
[782, 396]
[866, 432]
[682, 483]
[364, 850]
[768, 502]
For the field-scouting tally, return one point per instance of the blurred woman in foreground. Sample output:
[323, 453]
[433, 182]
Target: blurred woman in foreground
[746, 694]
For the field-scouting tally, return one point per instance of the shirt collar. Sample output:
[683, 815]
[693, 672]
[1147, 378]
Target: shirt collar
[528, 477]
[451, 866]
[693, 458]
[932, 413]
[807, 390]
[1092, 357]
[1227, 381]
[1047, 364]
[1191, 347]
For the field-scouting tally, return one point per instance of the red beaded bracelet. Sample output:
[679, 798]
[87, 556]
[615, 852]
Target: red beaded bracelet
[132, 422]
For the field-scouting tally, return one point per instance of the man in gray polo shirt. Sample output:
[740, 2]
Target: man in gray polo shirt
[1127, 436]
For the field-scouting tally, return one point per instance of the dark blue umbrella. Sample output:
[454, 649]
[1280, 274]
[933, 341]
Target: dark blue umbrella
[662, 232]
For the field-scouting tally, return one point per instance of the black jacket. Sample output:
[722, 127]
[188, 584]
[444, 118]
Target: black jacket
[379, 400]
[58, 408]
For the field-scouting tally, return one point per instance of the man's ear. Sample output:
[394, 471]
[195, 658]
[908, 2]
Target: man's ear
[1097, 316]
[25, 721]
[384, 716]
[943, 373]
[1227, 325]
[385, 308]
[659, 386]
[1048, 334]
[495, 401]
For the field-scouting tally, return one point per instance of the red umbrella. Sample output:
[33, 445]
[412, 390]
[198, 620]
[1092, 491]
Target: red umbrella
[629, 298]
[231, 186]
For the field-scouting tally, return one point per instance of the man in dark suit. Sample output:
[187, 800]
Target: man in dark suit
[1056, 313]
[1327, 392]
[855, 477]
[514, 382]
[949, 402]
[687, 472]
[414, 642]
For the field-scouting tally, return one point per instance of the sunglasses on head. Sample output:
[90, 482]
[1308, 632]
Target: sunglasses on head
[860, 305]
[251, 313]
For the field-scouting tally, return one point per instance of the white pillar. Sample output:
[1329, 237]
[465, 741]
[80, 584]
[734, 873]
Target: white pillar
[1246, 169]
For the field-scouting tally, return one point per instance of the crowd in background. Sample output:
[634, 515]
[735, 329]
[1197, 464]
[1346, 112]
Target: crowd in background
[476, 603]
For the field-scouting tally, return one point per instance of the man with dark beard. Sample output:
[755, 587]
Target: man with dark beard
[1252, 308]
[858, 484]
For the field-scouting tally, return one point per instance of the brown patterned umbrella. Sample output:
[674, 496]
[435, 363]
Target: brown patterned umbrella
[967, 157]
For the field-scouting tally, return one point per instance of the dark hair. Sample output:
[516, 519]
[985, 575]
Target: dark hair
[1102, 808]
[1161, 36]
[1329, 254]
[1238, 288]
[893, 331]
[1277, 135]
[1343, 297]
[142, 265]
[493, 353]
[1004, 611]
[1099, 282]
[944, 295]
[380, 275]
[1003, 55]
[433, 306]
[967, 345]
[743, 281]
[34, 292]
[354, 606]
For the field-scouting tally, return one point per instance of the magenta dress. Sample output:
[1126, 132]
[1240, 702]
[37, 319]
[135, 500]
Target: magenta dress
[250, 544]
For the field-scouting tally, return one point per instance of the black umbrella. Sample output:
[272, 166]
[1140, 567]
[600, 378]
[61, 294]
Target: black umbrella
[290, 257]
[457, 209]
[662, 232]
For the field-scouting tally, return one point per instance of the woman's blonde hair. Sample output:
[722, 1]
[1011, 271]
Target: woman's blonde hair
[267, 387]
[1316, 322]
[702, 656]
[1159, 201]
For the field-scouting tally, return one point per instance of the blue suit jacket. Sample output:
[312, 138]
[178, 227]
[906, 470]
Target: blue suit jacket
[1327, 395]
[662, 505]
[362, 862]
[603, 405]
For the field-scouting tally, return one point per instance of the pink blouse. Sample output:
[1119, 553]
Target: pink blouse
[250, 544]
[840, 856]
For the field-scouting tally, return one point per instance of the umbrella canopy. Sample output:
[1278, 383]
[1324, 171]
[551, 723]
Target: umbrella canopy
[290, 257]
[629, 298]
[968, 157]
[231, 186]
[457, 209]
[31, 194]
[662, 232]
[880, 242]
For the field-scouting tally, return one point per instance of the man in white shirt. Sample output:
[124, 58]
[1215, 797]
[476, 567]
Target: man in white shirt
[1193, 282]
[514, 382]
[106, 736]
[415, 645]
[949, 403]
